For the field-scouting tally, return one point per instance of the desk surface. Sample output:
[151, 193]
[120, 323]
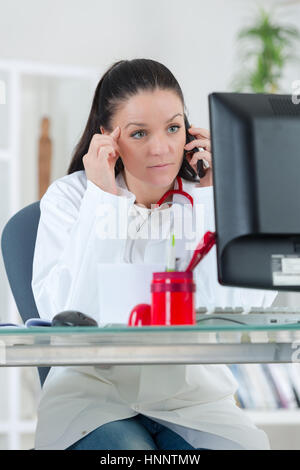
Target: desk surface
[122, 345]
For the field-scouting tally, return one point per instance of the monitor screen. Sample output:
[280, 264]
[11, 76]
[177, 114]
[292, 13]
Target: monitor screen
[255, 141]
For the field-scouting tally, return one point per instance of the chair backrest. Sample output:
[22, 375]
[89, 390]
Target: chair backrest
[17, 245]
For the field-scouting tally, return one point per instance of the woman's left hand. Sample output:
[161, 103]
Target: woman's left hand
[202, 140]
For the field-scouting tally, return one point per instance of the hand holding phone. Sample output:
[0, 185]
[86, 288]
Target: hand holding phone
[202, 165]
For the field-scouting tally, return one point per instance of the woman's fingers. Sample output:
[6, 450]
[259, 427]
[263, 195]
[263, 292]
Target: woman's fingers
[205, 143]
[207, 179]
[107, 150]
[199, 130]
[115, 134]
[200, 156]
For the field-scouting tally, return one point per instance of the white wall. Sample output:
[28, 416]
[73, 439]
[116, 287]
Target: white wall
[194, 38]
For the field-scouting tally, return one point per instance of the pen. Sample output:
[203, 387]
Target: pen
[171, 255]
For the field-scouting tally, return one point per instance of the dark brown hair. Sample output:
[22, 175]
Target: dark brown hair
[121, 81]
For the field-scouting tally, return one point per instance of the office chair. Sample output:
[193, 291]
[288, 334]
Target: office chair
[17, 245]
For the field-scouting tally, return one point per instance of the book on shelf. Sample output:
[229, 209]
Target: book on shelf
[267, 386]
[282, 385]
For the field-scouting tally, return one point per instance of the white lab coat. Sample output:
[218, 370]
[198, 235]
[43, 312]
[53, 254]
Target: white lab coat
[196, 401]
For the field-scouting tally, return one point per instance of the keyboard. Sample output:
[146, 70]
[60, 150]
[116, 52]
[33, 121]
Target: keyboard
[254, 316]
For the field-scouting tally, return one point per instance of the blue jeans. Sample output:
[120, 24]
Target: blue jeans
[136, 433]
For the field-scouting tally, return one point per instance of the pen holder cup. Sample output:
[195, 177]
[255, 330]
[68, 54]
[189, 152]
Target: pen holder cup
[173, 301]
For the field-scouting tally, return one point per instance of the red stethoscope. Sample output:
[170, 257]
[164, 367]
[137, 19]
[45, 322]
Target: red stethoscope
[209, 238]
[172, 191]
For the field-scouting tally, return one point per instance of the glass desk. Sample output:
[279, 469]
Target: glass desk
[120, 344]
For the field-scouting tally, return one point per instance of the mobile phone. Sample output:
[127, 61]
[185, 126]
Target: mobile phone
[189, 138]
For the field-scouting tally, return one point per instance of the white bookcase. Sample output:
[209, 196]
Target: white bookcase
[28, 91]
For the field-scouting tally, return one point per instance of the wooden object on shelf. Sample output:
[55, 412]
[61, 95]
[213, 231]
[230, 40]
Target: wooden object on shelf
[44, 157]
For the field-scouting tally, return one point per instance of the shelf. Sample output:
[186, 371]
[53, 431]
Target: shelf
[49, 70]
[120, 344]
[24, 427]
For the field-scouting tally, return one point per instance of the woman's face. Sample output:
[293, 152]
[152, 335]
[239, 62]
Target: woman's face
[157, 136]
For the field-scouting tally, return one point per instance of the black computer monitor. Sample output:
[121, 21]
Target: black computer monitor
[256, 175]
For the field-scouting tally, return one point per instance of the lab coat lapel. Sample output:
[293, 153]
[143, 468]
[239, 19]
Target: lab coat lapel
[184, 224]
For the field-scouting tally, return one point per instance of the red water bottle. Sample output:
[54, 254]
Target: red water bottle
[173, 300]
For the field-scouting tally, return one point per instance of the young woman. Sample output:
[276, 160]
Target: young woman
[131, 152]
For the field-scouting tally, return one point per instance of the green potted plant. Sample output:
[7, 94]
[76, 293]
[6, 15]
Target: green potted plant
[271, 48]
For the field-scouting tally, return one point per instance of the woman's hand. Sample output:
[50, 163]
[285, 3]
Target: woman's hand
[202, 140]
[100, 161]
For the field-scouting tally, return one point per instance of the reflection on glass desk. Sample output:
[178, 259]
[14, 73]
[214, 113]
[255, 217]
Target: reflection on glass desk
[119, 344]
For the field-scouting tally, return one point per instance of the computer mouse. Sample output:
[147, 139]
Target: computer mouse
[72, 318]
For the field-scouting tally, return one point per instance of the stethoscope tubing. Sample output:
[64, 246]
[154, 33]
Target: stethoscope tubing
[176, 191]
